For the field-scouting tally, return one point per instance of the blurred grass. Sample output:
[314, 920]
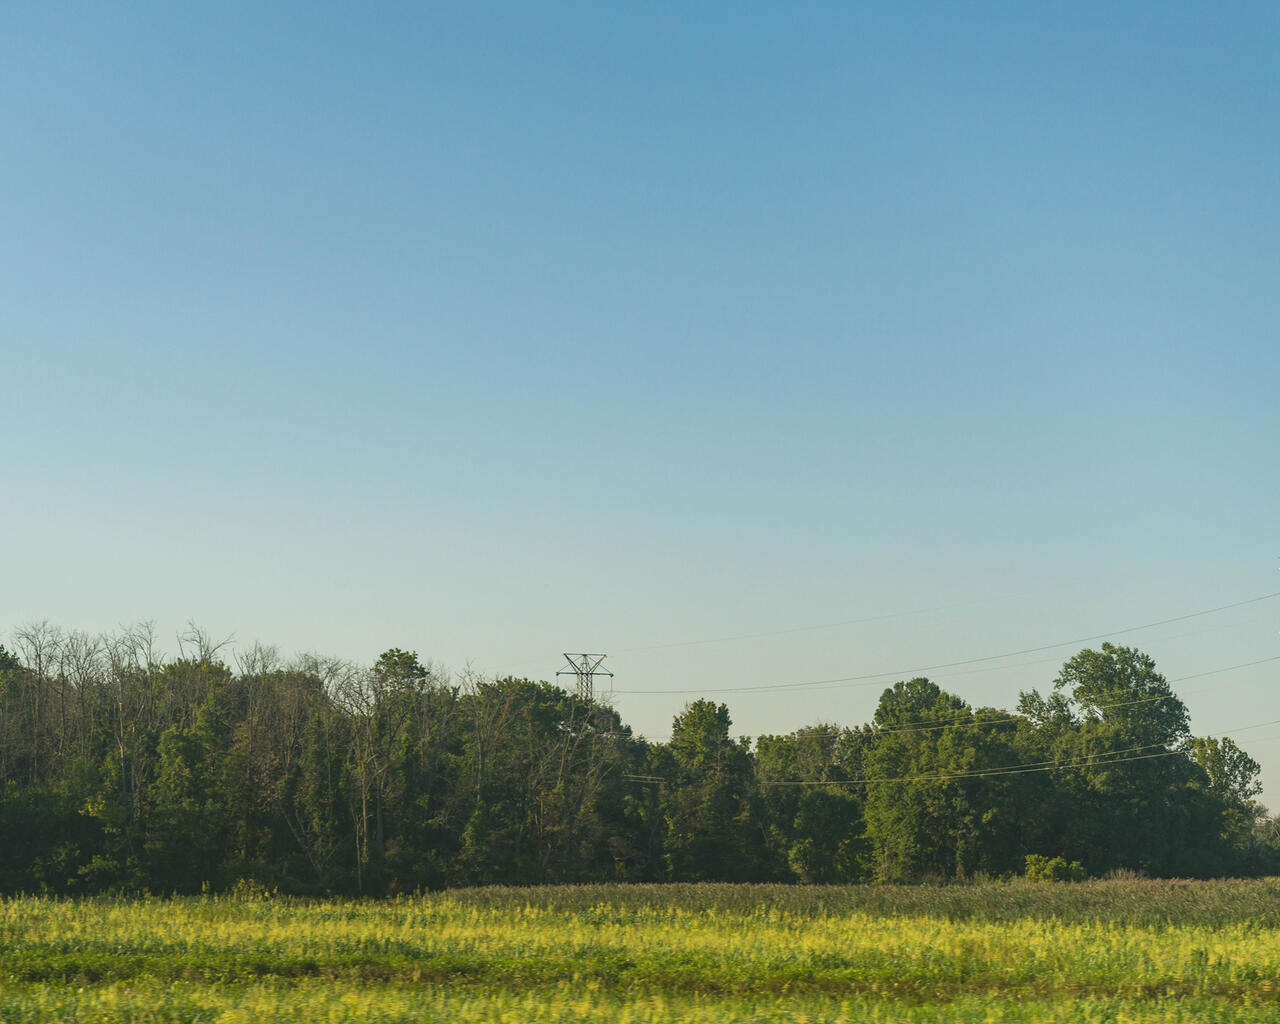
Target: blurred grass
[1137, 901]
[337, 1004]
[1110, 950]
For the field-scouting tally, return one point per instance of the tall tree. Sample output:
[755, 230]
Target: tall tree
[933, 808]
[1117, 731]
[711, 832]
[814, 812]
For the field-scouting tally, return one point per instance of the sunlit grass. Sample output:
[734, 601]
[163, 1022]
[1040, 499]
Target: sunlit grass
[1139, 951]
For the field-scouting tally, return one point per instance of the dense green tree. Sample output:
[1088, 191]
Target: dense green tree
[1121, 764]
[1231, 780]
[711, 831]
[936, 807]
[813, 803]
[912, 814]
[1231, 773]
[123, 769]
[310, 798]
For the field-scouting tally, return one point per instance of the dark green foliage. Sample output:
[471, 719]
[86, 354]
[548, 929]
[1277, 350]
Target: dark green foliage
[1054, 869]
[120, 771]
[711, 831]
[814, 809]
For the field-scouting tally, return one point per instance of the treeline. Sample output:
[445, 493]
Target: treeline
[124, 770]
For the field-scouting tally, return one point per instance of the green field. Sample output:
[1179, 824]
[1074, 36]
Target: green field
[1099, 951]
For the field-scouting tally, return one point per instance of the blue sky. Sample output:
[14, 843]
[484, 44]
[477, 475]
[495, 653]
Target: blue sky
[496, 331]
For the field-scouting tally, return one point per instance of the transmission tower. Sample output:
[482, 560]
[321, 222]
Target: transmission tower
[585, 667]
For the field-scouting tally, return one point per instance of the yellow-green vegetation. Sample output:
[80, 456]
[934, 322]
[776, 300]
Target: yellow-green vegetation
[1098, 951]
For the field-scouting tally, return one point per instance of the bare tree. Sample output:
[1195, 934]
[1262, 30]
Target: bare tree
[39, 645]
[80, 668]
[196, 644]
[132, 662]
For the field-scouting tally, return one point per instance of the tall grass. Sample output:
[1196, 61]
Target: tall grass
[1139, 901]
[1123, 950]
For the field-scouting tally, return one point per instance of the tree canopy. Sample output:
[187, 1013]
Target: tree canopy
[122, 769]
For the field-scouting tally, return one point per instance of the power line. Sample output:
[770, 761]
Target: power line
[1154, 639]
[966, 721]
[960, 721]
[960, 776]
[822, 625]
[871, 679]
[1080, 761]
[1026, 766]
[545, 673]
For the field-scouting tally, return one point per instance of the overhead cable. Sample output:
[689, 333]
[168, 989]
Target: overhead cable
[1079, 761]
[960, 721]
[872, 678]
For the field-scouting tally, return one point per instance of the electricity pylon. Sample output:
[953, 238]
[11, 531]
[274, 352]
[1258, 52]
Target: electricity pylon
[585, 667]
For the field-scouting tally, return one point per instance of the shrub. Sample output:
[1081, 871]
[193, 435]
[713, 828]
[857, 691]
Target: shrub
[1044, 869]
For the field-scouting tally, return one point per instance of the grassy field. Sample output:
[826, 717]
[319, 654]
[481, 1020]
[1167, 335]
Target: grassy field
[1127, 951]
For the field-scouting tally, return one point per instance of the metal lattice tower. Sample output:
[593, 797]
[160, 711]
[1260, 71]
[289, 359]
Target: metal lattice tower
[585, 667]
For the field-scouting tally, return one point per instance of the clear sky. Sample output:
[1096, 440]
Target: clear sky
[745, 343]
